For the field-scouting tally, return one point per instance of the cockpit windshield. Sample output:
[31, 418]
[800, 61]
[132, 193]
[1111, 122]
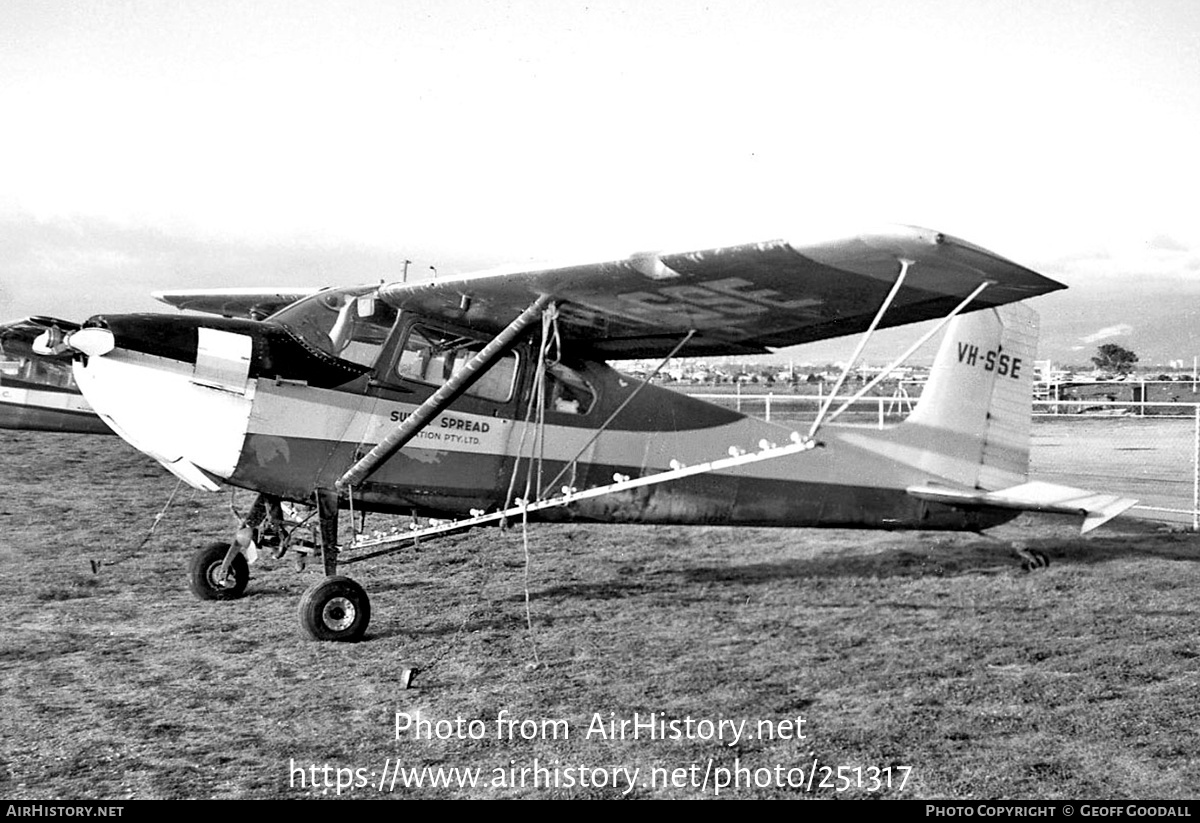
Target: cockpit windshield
[350, 323]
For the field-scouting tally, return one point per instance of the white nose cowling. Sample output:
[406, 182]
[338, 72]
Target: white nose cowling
[161, 406]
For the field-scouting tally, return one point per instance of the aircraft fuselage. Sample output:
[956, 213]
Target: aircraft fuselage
[273, 408]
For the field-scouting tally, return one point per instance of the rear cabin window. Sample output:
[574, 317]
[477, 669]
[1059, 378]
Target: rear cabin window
[434, 356]
[566, 390]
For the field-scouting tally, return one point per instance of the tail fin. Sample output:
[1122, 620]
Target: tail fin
[973, 418]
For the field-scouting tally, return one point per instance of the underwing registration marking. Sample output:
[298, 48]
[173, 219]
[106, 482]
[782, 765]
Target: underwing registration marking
[713, 301]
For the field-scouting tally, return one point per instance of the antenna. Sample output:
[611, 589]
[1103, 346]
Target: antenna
[404, 274]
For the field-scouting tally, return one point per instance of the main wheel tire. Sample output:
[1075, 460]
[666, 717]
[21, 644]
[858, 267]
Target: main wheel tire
[204, 567]
[335, 609]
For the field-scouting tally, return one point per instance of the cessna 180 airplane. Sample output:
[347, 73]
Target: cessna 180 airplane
[486, 398]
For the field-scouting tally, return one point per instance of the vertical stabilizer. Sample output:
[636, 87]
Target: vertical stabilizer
[973, 418]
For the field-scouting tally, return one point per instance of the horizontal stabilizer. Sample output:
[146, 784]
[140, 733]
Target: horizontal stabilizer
[1097, 509]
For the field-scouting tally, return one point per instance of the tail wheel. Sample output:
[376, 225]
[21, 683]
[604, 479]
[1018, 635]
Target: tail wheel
[1032, 559]
[204, 571]
[336, 609]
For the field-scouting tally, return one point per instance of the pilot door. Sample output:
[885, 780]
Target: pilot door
[303, 437]
[457, 461]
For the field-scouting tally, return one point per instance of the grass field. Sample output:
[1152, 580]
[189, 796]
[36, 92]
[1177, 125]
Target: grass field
[925, 660]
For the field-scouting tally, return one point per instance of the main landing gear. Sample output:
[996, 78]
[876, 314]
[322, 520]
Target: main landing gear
[336, 608]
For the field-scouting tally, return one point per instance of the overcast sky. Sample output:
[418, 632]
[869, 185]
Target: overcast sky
[172, 144]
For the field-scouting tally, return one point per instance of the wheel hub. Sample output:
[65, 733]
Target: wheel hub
[218, 580]
[338, 614]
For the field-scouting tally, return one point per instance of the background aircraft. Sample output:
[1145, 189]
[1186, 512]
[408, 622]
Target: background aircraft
[38, 392]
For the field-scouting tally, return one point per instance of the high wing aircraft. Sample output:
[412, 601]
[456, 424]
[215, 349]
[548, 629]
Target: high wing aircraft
[38, 392]
[486, 398]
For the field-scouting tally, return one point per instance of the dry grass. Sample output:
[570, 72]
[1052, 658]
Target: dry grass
[921, 650]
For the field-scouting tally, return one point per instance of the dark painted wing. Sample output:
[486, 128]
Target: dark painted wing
[740, 299]
[255, 303]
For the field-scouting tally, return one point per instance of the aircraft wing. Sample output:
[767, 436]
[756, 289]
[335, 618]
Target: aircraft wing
[257, 303]
[1035, 496]
[745, 299]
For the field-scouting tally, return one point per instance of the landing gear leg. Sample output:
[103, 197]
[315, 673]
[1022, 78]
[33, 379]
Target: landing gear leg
[327, 514]
[336, 608]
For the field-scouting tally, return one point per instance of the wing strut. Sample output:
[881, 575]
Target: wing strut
[879, 378]
[887, 301]
[474, 369]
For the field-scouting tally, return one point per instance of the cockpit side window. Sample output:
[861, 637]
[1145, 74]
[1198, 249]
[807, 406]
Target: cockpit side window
[361, 329]
[434, 356]
[352, 324]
